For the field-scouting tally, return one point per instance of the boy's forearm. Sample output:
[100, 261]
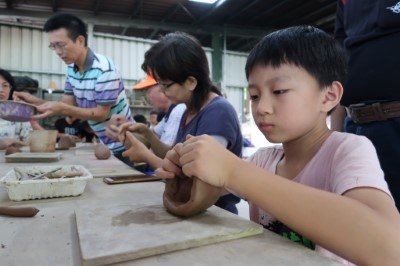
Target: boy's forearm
[311, 211]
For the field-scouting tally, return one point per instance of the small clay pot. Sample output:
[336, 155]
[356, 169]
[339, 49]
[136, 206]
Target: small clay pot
[65, 143]
[184, 196]
[102, 152]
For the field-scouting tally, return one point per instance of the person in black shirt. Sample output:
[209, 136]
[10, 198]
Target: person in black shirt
[370, 33]
[69, 126]
[86, 132]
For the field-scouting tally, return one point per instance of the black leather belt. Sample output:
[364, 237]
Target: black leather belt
[380, 111]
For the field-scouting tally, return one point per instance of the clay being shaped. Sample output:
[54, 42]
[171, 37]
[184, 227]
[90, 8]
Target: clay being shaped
[184, 196]
[102, 152]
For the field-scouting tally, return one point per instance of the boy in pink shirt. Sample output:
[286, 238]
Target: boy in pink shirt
[323, 189]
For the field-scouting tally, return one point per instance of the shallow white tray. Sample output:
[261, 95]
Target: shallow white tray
[45, 188]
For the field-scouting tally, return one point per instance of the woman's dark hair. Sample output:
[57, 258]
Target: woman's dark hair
[303, 46]
[74, 25]
[176, 57]
[9, 78]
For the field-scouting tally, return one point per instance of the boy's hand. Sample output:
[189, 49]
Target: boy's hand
[171, 167]
[205, 158]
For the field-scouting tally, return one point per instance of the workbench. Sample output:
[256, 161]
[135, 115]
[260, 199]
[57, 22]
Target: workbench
[51, 237]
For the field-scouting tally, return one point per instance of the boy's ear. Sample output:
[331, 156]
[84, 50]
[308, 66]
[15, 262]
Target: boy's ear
[191, 83]
[333, 94]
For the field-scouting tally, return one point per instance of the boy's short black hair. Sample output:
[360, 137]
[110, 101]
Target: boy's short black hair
[74, 25]
[10, 79]
[303, 46]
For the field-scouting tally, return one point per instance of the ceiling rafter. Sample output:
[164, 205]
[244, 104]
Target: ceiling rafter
[167, 16]
[54, 5]
[269, 10]
[212, 9]
[134, 12]
[9, 4]
[282, 20]
[242, 9]
[320, 10]
[137, 8]
[96, 8]
[187, 11]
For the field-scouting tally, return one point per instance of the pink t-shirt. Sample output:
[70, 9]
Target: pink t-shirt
[345, 161]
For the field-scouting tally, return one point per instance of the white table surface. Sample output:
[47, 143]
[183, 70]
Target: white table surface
[50, 238]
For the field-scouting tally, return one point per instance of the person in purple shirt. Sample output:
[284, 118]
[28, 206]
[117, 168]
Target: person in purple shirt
[185, 78]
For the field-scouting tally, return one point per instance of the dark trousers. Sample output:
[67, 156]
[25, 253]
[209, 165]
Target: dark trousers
[385, 135]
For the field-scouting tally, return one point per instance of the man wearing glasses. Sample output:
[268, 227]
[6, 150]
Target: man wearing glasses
[93, 90]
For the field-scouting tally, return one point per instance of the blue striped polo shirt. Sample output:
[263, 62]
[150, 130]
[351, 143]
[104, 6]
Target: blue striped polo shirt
[100, 84]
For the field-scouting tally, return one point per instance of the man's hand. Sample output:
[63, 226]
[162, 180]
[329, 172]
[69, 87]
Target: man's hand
[50, 108]
[27, 97]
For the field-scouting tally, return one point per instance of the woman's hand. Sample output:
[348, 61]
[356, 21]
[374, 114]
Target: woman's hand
[171, 166]
[138, 128]
[137, 151]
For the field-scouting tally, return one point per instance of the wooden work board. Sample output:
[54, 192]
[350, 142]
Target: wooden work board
[32, 157]
[125, 232]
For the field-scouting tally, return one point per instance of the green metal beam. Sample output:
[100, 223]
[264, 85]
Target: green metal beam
[217, 46]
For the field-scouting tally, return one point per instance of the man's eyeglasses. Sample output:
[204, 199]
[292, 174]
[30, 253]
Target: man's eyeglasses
[58, 45]
[166, 86]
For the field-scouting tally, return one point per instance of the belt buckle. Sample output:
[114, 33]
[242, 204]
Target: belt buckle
[357, 105]
[350, 111]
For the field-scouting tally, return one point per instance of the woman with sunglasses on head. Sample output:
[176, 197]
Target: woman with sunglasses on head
[179, 64]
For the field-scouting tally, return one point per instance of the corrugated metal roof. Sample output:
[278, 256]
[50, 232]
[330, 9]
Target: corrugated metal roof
[242, 22]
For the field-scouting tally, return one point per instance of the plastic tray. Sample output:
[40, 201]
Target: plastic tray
[45, 188]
